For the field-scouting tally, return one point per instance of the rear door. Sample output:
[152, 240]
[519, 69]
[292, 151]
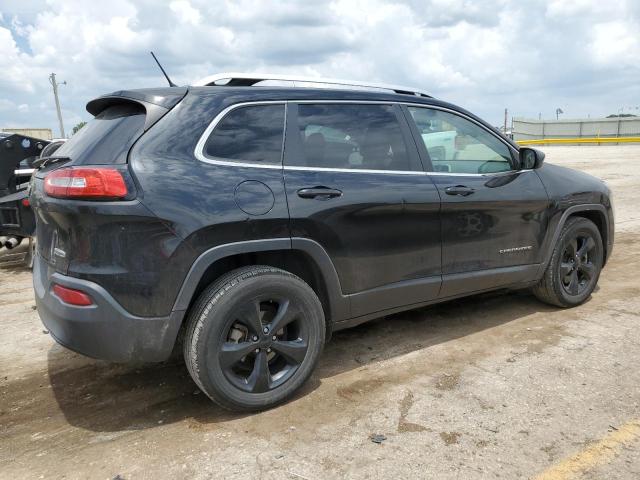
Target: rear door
[493, 214]
[356, 186]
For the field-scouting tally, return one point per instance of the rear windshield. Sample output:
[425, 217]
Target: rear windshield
[107, 138]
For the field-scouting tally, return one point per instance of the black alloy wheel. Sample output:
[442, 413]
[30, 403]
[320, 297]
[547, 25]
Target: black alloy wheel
[253, 337]
[264, 345]
[577, 267]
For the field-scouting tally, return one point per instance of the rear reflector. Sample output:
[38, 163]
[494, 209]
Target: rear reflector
[72, 296]
[83, 182]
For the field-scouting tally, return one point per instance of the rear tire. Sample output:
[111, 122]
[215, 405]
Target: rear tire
[574, 269]
[254, 337]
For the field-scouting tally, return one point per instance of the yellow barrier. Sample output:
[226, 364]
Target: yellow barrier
[563, 141]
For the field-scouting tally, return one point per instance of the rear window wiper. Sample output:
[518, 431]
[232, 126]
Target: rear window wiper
[43, 162]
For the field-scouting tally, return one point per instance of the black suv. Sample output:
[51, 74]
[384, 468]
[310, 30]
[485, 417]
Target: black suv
[246, 223]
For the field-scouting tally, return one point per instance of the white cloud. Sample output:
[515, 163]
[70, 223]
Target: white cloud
[185, 12]
[530, 55]
[18, 27]
[559, 8]
[6, 104]
[616, 43]
[14, 65]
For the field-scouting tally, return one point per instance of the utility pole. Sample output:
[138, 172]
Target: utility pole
[55, 84]
[505, 121]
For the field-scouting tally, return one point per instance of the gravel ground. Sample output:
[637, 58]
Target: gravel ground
[494, 386]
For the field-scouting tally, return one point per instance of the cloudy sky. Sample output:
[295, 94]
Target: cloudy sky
[530, 56]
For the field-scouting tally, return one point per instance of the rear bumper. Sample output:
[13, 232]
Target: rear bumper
[104, 330]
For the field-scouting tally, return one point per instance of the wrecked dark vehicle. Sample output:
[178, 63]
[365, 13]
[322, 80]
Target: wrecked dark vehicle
[247, 221]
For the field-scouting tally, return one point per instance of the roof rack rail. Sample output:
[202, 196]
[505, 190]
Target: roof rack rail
[269, 79]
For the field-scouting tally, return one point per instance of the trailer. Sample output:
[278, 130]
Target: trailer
[17, 221]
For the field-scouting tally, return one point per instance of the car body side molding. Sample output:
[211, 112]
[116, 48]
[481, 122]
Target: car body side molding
[454, 284]
[398, 294]
[509, 278]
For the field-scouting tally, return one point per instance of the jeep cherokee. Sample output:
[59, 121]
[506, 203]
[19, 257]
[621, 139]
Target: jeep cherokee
[246, 221]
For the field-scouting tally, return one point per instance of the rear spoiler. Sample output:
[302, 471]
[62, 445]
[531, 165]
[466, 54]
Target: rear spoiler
[156, 101]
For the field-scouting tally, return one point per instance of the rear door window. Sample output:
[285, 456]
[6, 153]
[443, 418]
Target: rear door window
[108, 137]
[352, 136]
[249, 134]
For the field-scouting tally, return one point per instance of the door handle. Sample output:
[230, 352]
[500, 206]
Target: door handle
[321, 193]
[461, 190]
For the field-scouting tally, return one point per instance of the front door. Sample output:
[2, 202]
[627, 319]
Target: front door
[355, 185]
[493, 214]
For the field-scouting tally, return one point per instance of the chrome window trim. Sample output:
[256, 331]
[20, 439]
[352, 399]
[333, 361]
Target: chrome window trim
[199, 150]
[354, 170]
[493, 174]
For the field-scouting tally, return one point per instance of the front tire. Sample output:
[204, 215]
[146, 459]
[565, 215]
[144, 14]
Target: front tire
[574, 269]
[254, 337]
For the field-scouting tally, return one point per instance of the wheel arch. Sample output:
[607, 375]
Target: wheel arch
[302, 257]
[594, 212]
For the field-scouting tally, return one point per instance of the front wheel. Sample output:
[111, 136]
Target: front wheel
[574, 269]
[253, 337]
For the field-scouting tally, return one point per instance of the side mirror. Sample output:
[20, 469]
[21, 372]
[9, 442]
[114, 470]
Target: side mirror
[530, 158]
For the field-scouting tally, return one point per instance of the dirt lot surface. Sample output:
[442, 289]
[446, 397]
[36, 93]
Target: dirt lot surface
[494, 386]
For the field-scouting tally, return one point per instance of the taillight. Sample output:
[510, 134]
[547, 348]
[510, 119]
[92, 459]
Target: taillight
[84, 182]
[72, 296]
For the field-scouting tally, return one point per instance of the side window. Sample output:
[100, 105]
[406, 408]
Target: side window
[458, 145]
[351, 136]
[248, 134]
